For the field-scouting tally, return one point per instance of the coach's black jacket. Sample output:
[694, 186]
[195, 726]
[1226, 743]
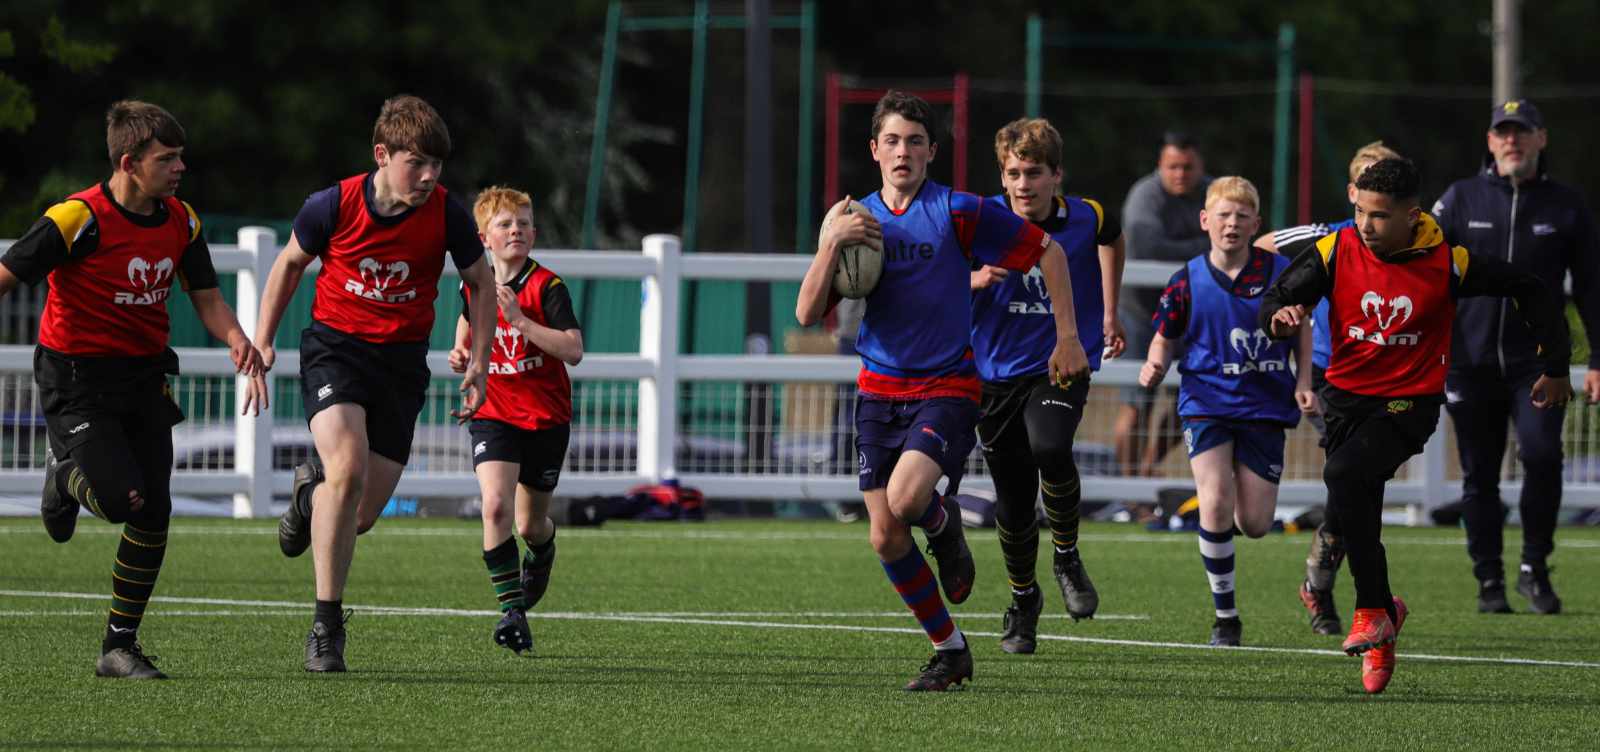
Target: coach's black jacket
[1543, 227]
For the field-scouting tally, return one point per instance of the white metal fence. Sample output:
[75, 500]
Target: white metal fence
[752, 426]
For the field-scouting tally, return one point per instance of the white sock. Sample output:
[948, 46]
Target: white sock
[956, 641]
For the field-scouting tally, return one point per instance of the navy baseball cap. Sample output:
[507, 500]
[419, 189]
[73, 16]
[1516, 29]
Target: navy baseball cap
[1519, 111]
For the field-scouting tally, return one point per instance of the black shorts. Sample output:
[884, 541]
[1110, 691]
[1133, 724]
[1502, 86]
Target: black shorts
[389, 380]
[113, 398]
[114, 416]
[539, 454]
[1017, 416]
[1407, 424]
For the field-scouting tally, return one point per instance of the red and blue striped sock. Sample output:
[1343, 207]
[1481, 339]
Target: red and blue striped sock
[915, 583]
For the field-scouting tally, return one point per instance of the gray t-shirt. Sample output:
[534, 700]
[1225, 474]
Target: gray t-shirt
[1158, 226]
[848, 314]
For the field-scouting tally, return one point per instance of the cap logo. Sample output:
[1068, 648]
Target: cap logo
[1511, 107]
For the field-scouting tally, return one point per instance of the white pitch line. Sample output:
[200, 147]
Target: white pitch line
[386, 611]
[852, 615]
[426, 611]
[643, 618]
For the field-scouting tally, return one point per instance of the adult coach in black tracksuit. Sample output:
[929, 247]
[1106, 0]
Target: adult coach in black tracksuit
[1511, 210]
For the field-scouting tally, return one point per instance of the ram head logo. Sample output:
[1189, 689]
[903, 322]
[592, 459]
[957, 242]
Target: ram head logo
[381, 276]
[1033, 281]
[147, 276]
[369, 268]
[1372, 304]
[508, 340]
[1251, 344]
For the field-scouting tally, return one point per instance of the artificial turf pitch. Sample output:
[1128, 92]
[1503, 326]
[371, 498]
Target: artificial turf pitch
[764, 634]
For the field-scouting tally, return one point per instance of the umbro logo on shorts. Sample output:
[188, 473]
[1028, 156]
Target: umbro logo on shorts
[325, 392]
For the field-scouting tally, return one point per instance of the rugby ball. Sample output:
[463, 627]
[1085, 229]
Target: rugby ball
[859, 266]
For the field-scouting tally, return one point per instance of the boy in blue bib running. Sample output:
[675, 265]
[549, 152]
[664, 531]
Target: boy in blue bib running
[1238, 394]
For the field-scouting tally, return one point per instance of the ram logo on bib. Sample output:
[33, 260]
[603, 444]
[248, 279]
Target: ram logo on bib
[376, 279]
[508, 345]
[1384, 313]
[151, 282]
[1251, 345]
[1032, 287]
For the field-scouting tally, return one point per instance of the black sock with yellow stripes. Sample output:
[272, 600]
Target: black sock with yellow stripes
[133, 579]
[505, 573]
[1020, 548]
[1061, 500]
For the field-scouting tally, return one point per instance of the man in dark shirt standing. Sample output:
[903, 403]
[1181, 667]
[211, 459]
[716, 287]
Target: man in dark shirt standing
[1511, 210]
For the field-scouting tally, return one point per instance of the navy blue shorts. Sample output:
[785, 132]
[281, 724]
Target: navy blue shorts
[1258, 445]
[942, 428]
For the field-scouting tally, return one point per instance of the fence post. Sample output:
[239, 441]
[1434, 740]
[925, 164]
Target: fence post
[658, 343]
[1433, 487]
[252, 447]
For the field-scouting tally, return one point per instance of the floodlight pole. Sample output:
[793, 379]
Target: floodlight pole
[758, 208]
[1280, 131]
[1035, 52]
[602, 116]
[804, 192]
[1507, 50]
[697, 97]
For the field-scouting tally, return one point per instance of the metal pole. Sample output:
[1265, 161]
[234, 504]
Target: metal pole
[1280, 133]
[958, 140]
[830, 148]
[1307, 97]
[1035, 65]
[758, 164]
[697, 95]
[1507, 50]
[807, 150]
[602, 115]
